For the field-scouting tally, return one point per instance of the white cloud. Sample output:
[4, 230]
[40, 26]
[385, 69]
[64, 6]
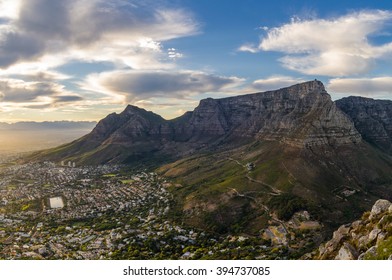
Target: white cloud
[379, 87]
[332, 47]
[274, 82]
[9, 9]
[248, 47]
[173, 53]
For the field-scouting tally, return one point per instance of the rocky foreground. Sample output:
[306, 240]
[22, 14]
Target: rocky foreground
[365, 239]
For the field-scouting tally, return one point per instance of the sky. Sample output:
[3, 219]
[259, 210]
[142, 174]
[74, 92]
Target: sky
[83, 59]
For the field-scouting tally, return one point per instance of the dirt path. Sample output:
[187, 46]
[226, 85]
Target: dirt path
[274, 190]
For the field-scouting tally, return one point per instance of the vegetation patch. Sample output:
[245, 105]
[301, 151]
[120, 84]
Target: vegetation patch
[285, 205]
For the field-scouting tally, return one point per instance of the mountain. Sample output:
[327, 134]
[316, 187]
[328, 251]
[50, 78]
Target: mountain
[372, 118]
[56, 125]
[241, 164]
[301, 115]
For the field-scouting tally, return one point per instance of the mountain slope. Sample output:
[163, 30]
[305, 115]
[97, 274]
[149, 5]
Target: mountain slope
[242, 187]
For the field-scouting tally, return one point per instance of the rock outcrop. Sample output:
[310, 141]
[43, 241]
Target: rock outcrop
[372, 118]
[367, 238]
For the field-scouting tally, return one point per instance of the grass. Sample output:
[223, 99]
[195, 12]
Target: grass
[129, 181]
[109, 175]
[25, 207]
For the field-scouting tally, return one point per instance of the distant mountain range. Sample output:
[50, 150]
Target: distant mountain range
[28, 136]
[241, 162]
[47, 125]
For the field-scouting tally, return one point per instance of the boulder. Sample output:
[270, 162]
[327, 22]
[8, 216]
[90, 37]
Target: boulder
[347, 252]
[373, 234]
[371, 253]
[362, 242]
[380, 206]
[356, 224]
[340, 233]
[381, 237]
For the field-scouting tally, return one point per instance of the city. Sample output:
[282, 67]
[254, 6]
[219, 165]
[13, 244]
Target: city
[103, 213]
[61, 211]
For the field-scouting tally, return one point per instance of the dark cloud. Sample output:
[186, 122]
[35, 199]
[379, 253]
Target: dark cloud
[47, 19]
[38, 106]
[18, 91]
[137, 85]
[18, 46]
[67, 98]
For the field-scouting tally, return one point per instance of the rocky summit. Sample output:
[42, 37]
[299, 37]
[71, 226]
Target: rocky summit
[302, 115]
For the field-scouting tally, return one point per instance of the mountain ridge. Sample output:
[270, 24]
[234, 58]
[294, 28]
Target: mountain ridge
[302, 115]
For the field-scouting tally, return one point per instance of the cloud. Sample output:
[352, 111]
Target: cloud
[273, 83]
[248, 48]
[9, 9]
[141, 85]
[379, 87]
[333, 47]
[173, 53]
[92, 30]
[34, 94]
[38, 38]
[67, 98]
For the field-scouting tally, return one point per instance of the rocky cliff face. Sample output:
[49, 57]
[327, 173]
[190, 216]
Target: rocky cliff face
[367, 238]
[372, 118]
[302, 114]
